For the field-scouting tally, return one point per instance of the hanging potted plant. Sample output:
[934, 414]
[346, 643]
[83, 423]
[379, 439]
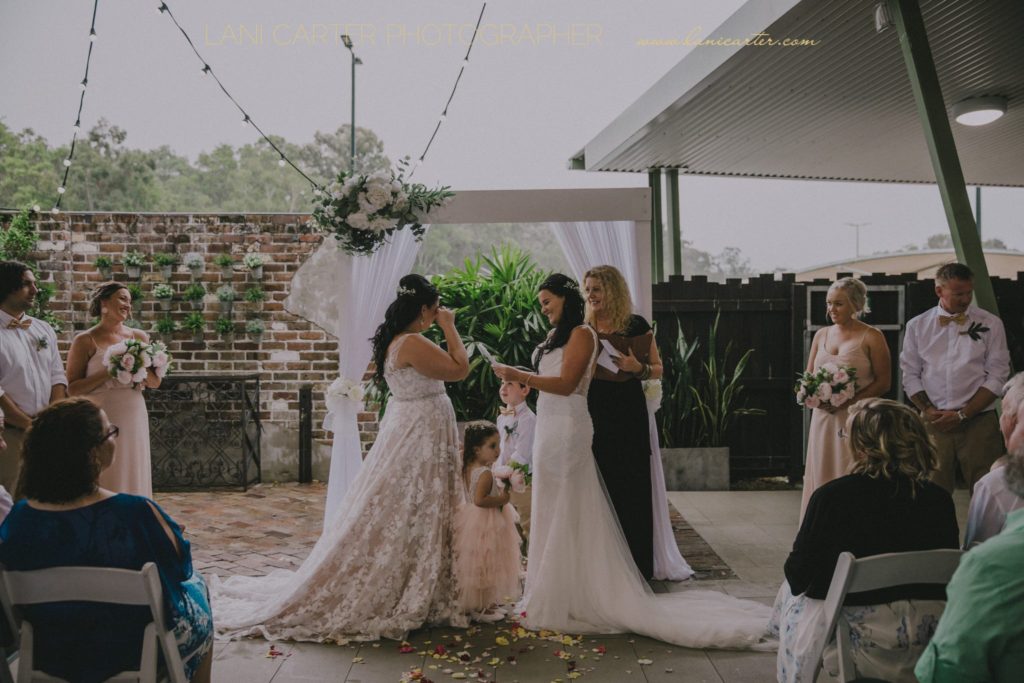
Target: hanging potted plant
[255, 295]
[226, 295]
[254, 263]
[164, 294]
[225, 328]
[195, 323]
[194, 263]
[135, 290]
[105, 265]
[165, 262]
[133, 262]
[227, 265]
[194, 294]
[254, 328]
[165, 327]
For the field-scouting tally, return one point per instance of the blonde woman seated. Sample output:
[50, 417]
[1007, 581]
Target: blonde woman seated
[886, 505]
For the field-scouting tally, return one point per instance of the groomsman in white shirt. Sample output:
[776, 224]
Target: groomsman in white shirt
[516, 424]
[954, 365]
[31, 371]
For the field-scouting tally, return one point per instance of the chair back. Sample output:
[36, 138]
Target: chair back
[92, 584]
[873, 573]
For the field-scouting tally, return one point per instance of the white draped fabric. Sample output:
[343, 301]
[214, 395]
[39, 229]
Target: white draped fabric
[614, 243]
[347, 295]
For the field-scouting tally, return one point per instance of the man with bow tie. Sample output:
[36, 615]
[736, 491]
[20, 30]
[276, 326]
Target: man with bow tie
[516, 424]
[954, 365]
[31, 372]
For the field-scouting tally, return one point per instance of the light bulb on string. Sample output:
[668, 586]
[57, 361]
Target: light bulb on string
[77, 128]
[281, 162]
[245, 121]
[61, 190]
[92, 35]
[36, 207]
[84, 84]
[55, 211]
[444, 116]
[67, 162]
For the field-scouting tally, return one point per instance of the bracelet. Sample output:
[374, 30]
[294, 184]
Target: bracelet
[645, 372]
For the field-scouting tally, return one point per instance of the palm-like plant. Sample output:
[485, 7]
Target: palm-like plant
[674, 423]
[495, 301]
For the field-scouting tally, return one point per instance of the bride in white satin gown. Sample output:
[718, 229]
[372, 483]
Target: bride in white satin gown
[581, 577]
[383, 565]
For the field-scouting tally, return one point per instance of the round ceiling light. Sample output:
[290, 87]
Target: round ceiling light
[977, 111]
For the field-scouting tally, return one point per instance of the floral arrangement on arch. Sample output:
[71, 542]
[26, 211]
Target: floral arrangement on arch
[361, 211]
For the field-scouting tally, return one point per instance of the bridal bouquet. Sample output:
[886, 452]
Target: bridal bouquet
[363, 210]
[652, 394]
[127, 362]
[830, 384]
[511, 475]
[343, 389]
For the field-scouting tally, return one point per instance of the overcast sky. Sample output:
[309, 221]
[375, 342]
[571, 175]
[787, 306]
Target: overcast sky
[543, 79]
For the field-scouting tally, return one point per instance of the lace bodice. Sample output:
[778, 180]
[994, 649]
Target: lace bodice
[474, 479]
[406, 384]
[551, 364]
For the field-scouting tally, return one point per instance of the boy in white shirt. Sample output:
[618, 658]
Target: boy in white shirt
[516, 424]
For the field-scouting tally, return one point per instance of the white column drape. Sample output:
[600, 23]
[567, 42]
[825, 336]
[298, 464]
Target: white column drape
[347, 295]
[614, 243]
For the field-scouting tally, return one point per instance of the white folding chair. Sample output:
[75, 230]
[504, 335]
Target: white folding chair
[93, 584]
[872, 573]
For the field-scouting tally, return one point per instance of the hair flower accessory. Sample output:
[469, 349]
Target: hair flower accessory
[405, 291]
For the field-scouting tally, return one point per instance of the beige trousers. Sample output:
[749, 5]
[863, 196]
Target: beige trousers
[521, 501]
[975, 444]
[10, 458]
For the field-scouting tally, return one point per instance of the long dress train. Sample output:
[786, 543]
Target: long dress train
[383, 565]
[580, 574]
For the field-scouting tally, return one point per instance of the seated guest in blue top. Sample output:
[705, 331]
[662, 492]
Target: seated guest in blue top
[68, 521]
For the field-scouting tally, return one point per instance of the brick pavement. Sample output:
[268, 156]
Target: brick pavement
[276, 525]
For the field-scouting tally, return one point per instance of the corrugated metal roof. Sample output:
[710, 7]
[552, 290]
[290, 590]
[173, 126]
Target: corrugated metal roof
[839, 110]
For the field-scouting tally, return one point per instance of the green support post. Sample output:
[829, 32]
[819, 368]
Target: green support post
[657, 240]
[924, 82]
[676, 223]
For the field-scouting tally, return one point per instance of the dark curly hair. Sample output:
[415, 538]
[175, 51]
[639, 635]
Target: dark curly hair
[476, 433]
[572, 313]
[102, 293]
[56, 458]
[414, 292]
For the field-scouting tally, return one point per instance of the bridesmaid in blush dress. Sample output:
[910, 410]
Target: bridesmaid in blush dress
[847, 342]
[131, 472]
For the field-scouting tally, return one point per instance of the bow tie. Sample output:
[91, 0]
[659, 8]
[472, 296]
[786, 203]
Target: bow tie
[959, 319]
[24, 324]
[507, 412]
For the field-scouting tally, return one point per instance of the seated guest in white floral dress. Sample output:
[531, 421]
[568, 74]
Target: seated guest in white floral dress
[886, 505]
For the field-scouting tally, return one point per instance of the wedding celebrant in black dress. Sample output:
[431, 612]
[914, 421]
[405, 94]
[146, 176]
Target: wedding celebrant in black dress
[622, 441]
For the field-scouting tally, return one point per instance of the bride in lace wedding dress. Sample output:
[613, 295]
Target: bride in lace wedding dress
[383, 565]
[581, 577]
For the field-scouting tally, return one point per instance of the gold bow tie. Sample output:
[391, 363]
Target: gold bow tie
[959, 319]
[507, 412]
[24, 324]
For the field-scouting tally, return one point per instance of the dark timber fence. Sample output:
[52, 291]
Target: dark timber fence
[778, 318]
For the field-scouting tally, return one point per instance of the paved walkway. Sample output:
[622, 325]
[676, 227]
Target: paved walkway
[750, 531]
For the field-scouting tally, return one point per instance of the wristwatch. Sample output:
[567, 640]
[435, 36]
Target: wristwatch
[962, 415]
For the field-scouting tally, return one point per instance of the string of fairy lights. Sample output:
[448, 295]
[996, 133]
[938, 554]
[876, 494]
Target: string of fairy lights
[247, 120]
[77, 128]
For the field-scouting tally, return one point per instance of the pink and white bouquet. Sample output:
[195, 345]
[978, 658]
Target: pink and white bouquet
[128, 361]
[510, 476]
[159, 359]
[830, 384]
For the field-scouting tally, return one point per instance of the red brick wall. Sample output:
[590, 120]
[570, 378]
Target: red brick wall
[292, 352]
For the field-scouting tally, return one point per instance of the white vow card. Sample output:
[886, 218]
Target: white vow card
[604, 359]
[486, 354]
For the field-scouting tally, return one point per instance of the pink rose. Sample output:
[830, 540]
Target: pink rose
[124, 377]
[840, 376]
[825, 392]
[518, 482]
[501, 471]
[139, 376]
[127, 362]
[813, 402]
[837, 400]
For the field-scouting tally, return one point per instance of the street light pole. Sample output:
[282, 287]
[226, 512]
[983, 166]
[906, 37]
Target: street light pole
[355, 60]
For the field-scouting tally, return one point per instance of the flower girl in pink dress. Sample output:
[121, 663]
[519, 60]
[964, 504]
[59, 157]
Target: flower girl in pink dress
[487, 558]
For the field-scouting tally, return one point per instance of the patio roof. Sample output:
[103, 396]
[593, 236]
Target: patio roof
[839, 110]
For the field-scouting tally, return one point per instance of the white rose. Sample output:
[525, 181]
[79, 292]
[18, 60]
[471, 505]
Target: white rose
[358, 221]
[831, 368]
[379, 195]
[825, 392]
[381, 223]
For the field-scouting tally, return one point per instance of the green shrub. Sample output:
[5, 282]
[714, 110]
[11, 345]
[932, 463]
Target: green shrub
[165, 326]
[255, 326]
[224, 260]
[255, 294]
[226, 293]
[103, 262]
[194, 322]
[136, 291]
[165, 259]
[163, 291]
[19, 239]
[224, 326]
[194, 292]
[135, 258]
[253, 260]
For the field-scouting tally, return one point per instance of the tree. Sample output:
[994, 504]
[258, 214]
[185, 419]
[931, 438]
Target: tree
[945, 241]
[28, 175]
